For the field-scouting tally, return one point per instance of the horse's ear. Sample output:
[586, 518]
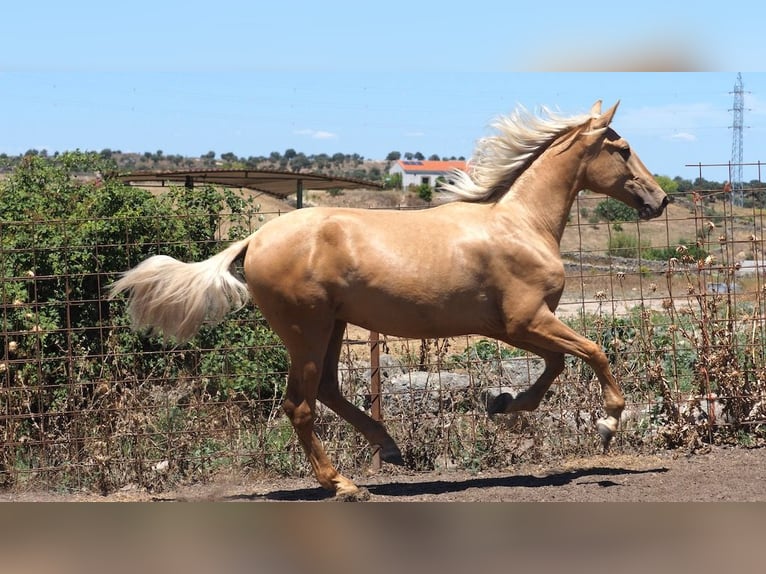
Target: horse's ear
[595, 109]
[606, 119]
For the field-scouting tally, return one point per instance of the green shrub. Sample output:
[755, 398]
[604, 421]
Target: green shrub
[485, 350]
[64, 239]
[665, 253]
[425, 192]
[623, 245]
[613, 210]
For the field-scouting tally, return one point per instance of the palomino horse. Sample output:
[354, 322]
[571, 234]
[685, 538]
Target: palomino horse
[488, 265]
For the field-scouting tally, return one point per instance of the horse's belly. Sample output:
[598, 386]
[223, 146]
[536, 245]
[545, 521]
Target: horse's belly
[419, 321]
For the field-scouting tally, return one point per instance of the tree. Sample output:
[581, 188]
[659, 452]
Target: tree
[669, 186]
[434, 157]
[290, 153]
[393, 156]
[684, 185]
[419, 156]
[322, 160]
[393, 181]
[299, 162]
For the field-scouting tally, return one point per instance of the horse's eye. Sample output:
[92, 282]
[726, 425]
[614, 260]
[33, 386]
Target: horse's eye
[625, 153]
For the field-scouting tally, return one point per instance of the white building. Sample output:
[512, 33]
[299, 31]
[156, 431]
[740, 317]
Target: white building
[417, 172]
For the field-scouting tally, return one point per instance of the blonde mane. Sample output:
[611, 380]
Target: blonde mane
[499, 159]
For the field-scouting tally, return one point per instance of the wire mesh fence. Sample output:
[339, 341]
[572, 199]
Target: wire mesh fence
[677, 303]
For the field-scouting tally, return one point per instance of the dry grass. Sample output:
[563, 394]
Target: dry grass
[682, 221]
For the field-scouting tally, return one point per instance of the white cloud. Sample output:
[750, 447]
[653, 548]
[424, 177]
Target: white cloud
[683, 136]
[317, 134]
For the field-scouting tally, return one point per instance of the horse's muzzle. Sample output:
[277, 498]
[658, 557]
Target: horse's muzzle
[647, 211]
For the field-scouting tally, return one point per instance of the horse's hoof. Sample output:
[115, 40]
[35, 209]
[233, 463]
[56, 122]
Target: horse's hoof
[358, 495]
[499, 404]
[606, 429]
[392, 456]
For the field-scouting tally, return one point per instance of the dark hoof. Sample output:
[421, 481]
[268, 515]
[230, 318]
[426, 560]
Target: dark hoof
[392, 456]
[499, 404]
[360, 495]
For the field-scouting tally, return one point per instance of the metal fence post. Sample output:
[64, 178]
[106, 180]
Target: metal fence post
[375, 389]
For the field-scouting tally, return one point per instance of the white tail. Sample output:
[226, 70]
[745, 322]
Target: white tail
[175, 298]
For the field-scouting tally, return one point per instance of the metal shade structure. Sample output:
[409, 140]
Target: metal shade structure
[280, 184]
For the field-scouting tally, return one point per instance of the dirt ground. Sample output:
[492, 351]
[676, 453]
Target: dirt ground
[721, 474]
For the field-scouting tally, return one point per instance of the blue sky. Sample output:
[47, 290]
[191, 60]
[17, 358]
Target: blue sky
[187, 78]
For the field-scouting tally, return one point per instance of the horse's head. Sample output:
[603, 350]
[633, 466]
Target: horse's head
[615, 169]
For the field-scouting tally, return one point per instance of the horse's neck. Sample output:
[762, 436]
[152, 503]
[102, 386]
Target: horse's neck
[546, 190]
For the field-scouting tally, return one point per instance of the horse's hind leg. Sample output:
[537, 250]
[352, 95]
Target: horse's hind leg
[330, 395]
[306, 364]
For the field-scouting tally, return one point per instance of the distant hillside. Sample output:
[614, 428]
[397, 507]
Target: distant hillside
[352, 166]
[339, 164]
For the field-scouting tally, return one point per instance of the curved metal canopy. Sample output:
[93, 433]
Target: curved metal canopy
[277, 183]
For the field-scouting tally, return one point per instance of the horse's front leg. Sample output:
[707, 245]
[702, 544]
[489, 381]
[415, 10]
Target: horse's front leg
[530, 399]
[551, 339]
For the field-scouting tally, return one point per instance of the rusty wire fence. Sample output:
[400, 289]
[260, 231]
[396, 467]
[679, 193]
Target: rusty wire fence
[677, 303]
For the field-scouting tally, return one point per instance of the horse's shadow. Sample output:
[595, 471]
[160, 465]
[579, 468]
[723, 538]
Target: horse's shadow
[437, 487]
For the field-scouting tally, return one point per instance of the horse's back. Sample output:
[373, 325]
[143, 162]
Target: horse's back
[307, 254]
[382, 270]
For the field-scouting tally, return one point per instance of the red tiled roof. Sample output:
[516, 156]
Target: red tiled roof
[414, 166]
